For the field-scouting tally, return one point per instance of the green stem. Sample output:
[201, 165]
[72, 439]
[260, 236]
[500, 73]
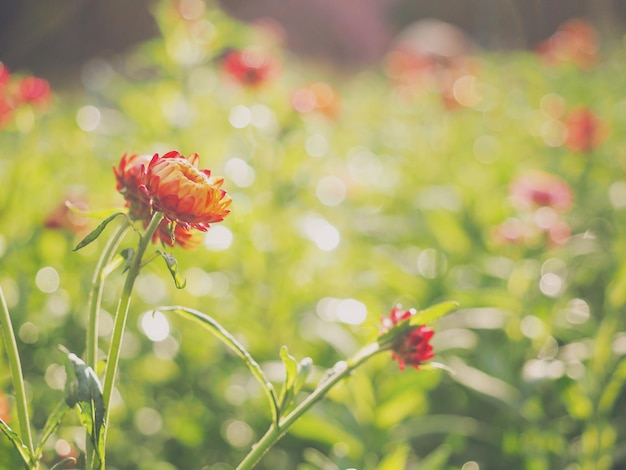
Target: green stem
[95, 301]
[95, 296]
[276, 432]
[18, 379]
[120, 322]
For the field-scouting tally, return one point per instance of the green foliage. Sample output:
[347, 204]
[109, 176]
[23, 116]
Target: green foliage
[397, 199]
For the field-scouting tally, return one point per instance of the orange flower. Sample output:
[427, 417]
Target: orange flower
[186, 195]
[181, 237]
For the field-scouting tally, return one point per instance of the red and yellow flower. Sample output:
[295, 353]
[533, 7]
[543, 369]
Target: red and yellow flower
[186, 195]
[172, 184]
[413, 347]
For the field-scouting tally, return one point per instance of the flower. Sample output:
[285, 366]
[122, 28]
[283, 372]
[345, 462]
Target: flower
[186, 195]
[184, 238]
[414, 346]
[128, 176]
[33, 90]
[574, 42]
[5, 75]
[584, 130]
[4, 408]
[63, 218]
[249, 67]
[539, 189]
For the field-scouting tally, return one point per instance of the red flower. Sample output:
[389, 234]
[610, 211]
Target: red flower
[186, 195]
[574, 42]
[33, 90]
[62, 217]
[5, 75]
[128, 176]
[538, 189]
[4, 408]
[412, 348]
[249, 67]
[184, 238]
[584, 130]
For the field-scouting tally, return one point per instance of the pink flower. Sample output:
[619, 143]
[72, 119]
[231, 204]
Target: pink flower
[414, 346]
[539, 189]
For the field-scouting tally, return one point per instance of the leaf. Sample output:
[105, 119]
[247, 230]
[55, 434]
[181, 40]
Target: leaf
[172, 265]
[304, 369]
[52, 423]
[83, 392]
[97, 231]
[224, 335]
[429, 315]
[287, 392]
[127, 254]
[16, 441]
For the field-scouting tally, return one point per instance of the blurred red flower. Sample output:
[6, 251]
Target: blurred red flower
[5, 75]
[574, 42]
[186, 195]
[412, 348]
[585, 131]
[33, 90]
[249, 67]
[4, 408]
[538, 189]
[63, 218]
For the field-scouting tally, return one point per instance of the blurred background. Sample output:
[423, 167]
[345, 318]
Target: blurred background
[54, 38]
[378, 152]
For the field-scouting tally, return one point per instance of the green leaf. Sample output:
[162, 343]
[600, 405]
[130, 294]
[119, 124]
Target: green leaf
[429, 315]
[62, 463]
[97, 231]
[291, 372]
[83, 392]
[172, 265]
[16, 441]
[304, 369]
[127, 254]
[223, 335]
[52, 423]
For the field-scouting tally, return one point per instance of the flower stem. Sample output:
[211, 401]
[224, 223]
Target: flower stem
[334, 375]
[120, 322]
[18, 379]
[95, 301]
[95, 296]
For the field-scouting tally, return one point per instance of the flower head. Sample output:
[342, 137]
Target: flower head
[186, 195]
[249, 67]
[574, 42]
[4, 408]
[585, 131]
[128, 176]
[539, 189]
[414, 346]
[33, 90]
